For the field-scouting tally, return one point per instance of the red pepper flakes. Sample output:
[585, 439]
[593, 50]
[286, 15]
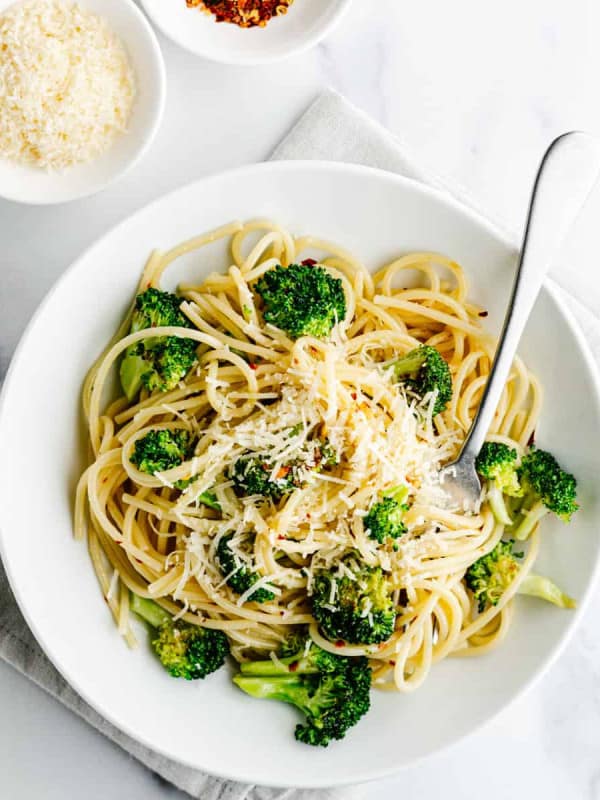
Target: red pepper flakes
[245, 13]
[483, 313]
[340, 643]
[309, 262]
[354, 396]
[252, 365]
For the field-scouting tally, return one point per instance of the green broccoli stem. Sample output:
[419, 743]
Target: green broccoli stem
[410, 364]
[496, 500]
[283, 666]
[149, 611]
[397, 493]
[131, 371]
[529, 519]
[285, 688]
[543, 588]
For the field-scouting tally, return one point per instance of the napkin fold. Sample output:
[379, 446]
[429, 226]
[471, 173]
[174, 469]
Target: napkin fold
[331, 129]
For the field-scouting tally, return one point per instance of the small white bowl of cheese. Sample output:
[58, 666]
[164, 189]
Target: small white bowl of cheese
[82, 93]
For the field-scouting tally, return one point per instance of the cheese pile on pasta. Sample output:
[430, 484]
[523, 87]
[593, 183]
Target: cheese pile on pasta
[289, 448]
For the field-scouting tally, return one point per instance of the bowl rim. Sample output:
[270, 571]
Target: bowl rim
[234, 59]
[160, 93]
[444, 198]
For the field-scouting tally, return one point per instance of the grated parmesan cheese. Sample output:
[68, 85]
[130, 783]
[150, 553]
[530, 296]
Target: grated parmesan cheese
[66, 84]
[382, 437]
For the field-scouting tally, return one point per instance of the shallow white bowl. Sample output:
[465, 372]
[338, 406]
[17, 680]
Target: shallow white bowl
[306, 22]
[25, 184]
[211, 725]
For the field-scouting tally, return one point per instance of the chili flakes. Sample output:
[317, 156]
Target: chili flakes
[245, 13]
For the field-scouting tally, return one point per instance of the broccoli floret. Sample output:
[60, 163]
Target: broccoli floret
[160, 450]
[333, 692]
[185, 651]
[490, 576]
[239, 577]
[294, 642]
[546, 488]
[253, 475]
[158, 363]
[359, 611]
[496, 463]
[385, 518]
[302, 300]
[424, 371]
[155, 309]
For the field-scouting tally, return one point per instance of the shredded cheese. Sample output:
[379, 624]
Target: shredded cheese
[66, 84]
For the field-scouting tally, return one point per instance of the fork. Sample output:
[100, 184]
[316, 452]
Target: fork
[564, 180]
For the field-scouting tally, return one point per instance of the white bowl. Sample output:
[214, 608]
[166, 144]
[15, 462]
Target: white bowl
[306, 22]
[210, 724]
[26, 184]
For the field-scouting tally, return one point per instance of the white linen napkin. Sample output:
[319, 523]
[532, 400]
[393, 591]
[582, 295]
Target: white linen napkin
[330, 129]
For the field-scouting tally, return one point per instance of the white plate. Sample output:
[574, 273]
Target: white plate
[210, 725]
[25, 184]
[306, 22]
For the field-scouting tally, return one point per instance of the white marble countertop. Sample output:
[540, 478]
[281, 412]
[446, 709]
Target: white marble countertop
[476, 90]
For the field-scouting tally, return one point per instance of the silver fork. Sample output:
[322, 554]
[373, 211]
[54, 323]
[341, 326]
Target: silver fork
[565, 178]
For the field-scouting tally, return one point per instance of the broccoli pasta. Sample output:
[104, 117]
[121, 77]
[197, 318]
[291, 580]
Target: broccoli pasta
[270, 472]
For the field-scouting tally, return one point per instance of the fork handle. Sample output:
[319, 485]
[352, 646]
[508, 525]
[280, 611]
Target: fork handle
[565, 178]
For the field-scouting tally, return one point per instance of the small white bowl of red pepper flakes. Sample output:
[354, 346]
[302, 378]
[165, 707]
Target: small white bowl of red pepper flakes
[245, 31]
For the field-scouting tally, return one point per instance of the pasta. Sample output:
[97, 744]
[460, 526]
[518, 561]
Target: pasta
[256, 390]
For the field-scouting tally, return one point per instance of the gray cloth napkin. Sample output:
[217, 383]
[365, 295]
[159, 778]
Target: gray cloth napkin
[331, 129]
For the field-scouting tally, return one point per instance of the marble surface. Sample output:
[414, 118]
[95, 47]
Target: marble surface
[476, 90]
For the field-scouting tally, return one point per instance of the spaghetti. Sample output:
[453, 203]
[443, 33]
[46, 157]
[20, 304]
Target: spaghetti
[255, 390]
